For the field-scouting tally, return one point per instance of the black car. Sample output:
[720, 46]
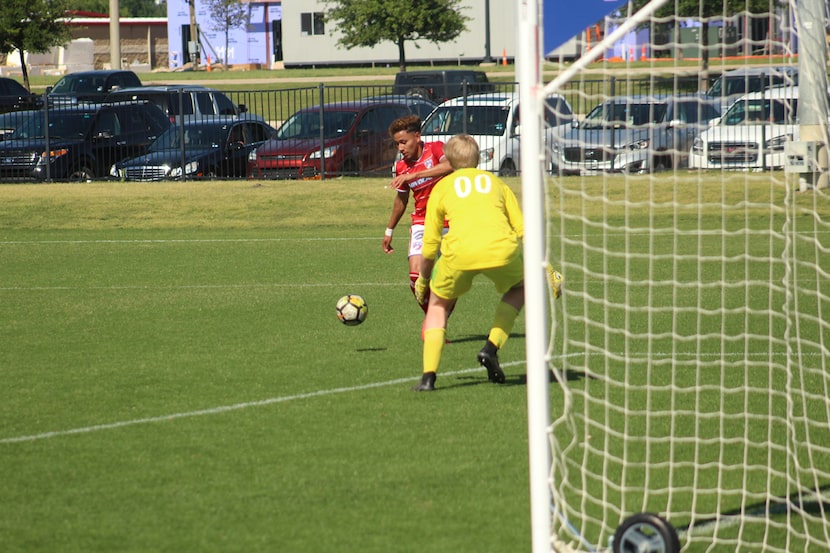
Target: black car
[190, 101]
[215, 147]
[79, 142]
[442, 84]
[91, 86]
[15, 97]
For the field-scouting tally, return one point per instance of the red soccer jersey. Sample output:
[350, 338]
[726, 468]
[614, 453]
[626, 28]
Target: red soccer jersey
[420, 188]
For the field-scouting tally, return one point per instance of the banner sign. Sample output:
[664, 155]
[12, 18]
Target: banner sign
[563, 19]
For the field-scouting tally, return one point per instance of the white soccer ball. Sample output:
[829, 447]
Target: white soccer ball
[352, 309]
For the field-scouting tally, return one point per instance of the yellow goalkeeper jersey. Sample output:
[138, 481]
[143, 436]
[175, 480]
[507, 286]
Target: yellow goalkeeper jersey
[485, 222]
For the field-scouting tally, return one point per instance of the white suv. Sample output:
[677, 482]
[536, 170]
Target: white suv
[751, 134]
[493, 120]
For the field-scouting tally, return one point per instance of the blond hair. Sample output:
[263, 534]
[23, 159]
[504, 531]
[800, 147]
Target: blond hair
[462, 151]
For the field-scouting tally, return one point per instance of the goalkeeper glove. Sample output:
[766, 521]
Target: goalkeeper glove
[421, 288]
[555, 280]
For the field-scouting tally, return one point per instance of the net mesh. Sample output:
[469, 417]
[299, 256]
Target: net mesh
[690, 346]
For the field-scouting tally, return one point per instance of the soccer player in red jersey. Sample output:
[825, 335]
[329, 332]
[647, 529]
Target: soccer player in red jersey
[421, 167]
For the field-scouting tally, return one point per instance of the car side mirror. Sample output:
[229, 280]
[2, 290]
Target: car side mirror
[517, 130]
[242, 108]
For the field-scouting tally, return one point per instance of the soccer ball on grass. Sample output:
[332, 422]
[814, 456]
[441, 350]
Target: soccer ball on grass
[352, 309]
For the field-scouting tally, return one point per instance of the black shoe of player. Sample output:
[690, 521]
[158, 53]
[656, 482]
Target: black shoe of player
[489, 357]
[427, 383]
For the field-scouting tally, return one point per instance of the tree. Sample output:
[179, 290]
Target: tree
[705, 10]
[226, 15]
[32, 26]
[370, 22]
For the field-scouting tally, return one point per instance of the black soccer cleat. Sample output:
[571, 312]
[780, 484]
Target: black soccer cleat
[427, 383]
[489, 357]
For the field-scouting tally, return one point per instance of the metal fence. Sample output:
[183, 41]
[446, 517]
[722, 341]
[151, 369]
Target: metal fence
[59, 142]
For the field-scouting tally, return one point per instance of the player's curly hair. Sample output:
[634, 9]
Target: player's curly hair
[408, 123]
[462, 151]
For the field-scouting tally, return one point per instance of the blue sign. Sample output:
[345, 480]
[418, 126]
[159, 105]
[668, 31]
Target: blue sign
[563, 20]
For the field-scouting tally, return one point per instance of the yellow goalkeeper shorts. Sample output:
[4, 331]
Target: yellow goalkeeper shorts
[450, 283]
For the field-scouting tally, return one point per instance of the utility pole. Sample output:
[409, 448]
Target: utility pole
[115, 35]
[487, 57]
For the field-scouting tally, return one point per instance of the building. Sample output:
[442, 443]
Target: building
[294, 33]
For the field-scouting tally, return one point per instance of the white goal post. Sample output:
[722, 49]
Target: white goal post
[691, 346]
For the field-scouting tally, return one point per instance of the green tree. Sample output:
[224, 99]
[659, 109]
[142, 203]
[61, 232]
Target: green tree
[226, 15]
[370, 22]
[32, 26]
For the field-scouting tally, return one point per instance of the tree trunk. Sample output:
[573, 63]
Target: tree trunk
[23, 68]
[704, 55]
[401, 54]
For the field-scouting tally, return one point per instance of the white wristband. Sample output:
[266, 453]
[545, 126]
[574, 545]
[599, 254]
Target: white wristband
[388, 232]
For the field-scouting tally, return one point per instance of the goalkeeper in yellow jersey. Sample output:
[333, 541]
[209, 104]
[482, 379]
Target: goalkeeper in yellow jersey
[485, 237]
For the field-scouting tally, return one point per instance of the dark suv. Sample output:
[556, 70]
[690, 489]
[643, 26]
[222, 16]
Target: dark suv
[91, 86]
[79, 142]
[190, 101]
[353, 140]
[15, 97]
[442, 85]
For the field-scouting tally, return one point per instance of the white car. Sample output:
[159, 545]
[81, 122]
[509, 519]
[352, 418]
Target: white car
[751, 134]
[493, 120]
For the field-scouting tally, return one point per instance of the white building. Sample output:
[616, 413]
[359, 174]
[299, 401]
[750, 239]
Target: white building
[293, 33]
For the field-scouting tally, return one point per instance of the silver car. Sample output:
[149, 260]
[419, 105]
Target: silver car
[634, 134]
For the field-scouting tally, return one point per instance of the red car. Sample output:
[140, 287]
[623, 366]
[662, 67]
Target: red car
[346, 138]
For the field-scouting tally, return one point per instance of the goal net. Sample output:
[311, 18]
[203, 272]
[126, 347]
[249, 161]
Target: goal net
[690, 346]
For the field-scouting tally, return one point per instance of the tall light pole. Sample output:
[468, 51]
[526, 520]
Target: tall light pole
[115, 35]
[487, 57]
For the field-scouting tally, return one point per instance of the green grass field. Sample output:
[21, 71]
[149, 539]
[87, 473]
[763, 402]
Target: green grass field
[175, 378]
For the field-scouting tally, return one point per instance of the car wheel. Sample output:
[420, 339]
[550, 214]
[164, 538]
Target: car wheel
[82, 174]
[508, 169]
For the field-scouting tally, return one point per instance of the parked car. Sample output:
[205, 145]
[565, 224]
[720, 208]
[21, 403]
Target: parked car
[84, 140]
[733, 84]
[91, 86]
[634, 134]
[191, 101]
[418, 105]
[346, 138]
[493, 120]
[751, 134]
[441, 85]
[15, 97]
[206, 148]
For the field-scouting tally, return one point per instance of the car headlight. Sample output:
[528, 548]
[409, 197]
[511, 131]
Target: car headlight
[486, 155]
[51, 155]
[189, 169]
[697, 145]
[777, 144]
[114, 172]
[327, 152]
[252, 156]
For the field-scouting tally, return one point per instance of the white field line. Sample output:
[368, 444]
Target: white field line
[226, 408]
[180, 241]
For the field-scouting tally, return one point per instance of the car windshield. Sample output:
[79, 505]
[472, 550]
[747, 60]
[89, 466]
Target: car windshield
[75, 84]
[624, 115]
[61, 125]
[747, 112]
[306, 124]
[475, 120]
[201, 136]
